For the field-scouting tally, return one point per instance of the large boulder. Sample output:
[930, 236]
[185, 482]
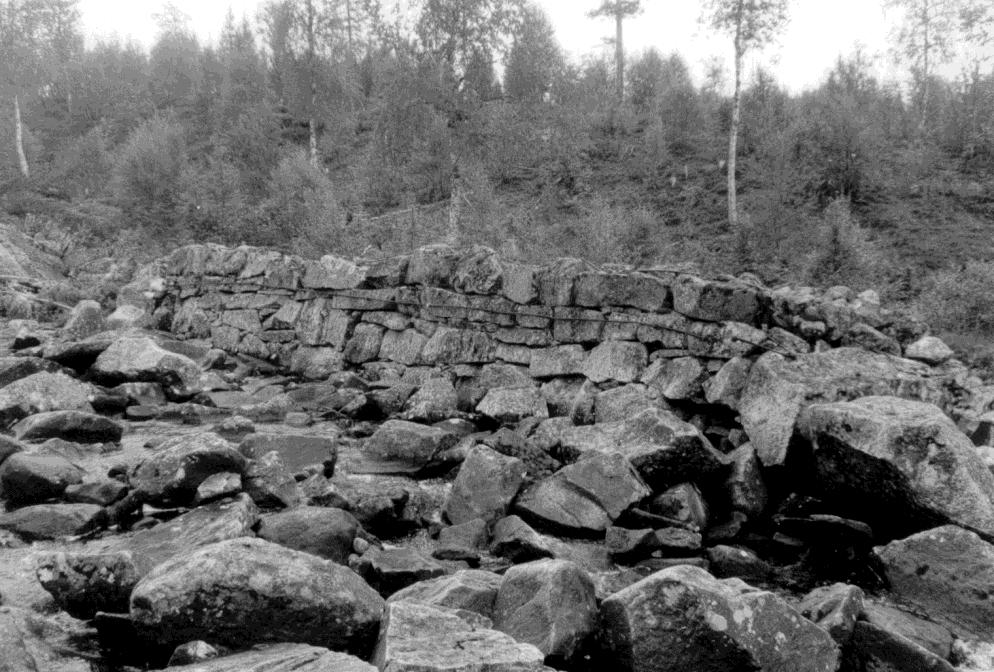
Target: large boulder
[872, 647]
[85, 319]
[682, 618]
[622, 361]
[418, 637]
[548, 603]
[325, 532]
[48, 521]
[180, 464]
[14, 651]
[280, 658]
[32, 478]
[900, 465]
[435, 401]
[101, 576]
[432, 265]
[515, 540]
[364, 344]
[458, 346]
[246, 591]
[917, 627]
[76, 426]
[396, 567]
[400, 447]
[513, 404]
[141, 359]
[745, 485]
[715, 301]
[270, 484]
[479, 271]
[486, 485]
[8, 447]
[948, 573]
[726, 386]
[330, 272]
[15, 368]
[621, 403]
[586, 497]
[835, 608]
[637, 290]
[470, 589]
[778, 389]
[42, 392]
[930, 350]
[664, 449]
[559, 360]
[297, 451]
[126, 316]
[677, 379]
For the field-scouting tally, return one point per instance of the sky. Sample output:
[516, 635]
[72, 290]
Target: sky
[818, 33]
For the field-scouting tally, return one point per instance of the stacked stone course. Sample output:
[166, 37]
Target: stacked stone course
[441, 306]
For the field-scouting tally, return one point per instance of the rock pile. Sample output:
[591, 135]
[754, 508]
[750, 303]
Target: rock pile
[452, 462]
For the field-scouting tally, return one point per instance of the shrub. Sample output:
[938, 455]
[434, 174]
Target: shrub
[301, 213]
[149, 175]
[213, 204]
[605, 233]
[961, 301]
[251, 144]
[843, 254]
[84, 167]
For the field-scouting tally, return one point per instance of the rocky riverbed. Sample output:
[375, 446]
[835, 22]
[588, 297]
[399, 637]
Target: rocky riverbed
[171, 504]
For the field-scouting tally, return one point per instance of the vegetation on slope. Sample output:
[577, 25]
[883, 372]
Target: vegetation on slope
[315, 130]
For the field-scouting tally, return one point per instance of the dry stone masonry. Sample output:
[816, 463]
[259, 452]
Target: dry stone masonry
[662, 336]
[449, 461]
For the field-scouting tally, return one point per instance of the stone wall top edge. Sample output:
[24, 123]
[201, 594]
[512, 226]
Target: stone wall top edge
[563, 282]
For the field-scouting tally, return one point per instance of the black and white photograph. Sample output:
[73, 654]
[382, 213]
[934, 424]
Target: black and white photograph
[496, 336]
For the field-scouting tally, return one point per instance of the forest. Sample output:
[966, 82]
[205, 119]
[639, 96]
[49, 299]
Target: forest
[366, 128]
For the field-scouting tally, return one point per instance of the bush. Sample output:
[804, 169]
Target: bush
[961, 301]
[301, 213]
[84, 167]
[843, 253]
[149, 175]
[251, 143]
[479, 210]
[213, 204]
[604, 233]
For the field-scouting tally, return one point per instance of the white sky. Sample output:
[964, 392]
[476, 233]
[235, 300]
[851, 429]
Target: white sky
[818, 33]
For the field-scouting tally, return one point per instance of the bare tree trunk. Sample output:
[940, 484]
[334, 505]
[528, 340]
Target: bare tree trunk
[733, 133]
[22, 158]
[619, 56]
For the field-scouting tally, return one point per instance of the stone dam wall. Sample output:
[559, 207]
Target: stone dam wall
[440, 306]
[737, 359]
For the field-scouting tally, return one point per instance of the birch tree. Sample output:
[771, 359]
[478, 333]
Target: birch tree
[926, 37]
[452, 36]
[752, 24]
[929, 33]
[32, 57]
[303, 37]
